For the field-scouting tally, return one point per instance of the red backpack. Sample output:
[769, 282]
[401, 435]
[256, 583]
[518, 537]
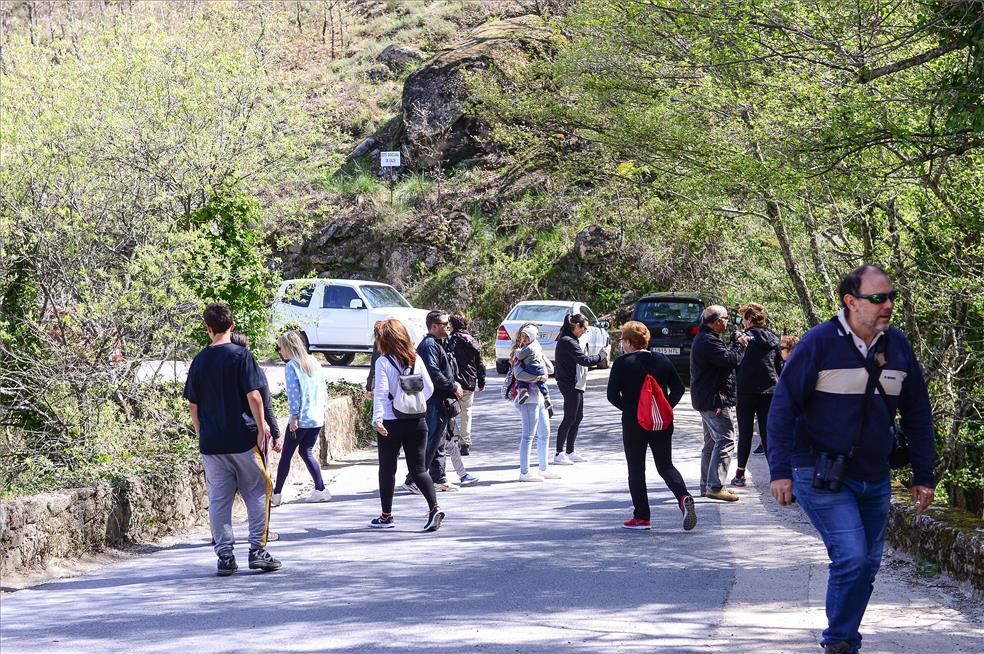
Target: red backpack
[654, 412]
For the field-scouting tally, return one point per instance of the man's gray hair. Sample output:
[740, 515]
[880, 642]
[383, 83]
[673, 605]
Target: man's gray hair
[712, 314]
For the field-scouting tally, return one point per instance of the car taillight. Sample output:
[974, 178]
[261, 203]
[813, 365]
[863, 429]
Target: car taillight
[501, 334]
[694, 330]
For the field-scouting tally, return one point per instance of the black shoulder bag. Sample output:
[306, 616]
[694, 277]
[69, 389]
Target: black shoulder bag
[899, 457]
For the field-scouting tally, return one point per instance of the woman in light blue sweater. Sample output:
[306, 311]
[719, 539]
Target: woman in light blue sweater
[306, 397]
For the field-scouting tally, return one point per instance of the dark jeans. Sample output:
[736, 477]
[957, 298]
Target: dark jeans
[437, 426]
[411, 435]
[573, 414]
[635, 441]
[751, 405]
[304, 438]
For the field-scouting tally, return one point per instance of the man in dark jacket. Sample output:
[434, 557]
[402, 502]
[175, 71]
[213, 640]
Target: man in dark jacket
[712, 392]
[837, 397]
[440, 366]
[471, 372]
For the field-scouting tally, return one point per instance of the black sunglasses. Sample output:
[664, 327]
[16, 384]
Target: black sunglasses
[877, 298]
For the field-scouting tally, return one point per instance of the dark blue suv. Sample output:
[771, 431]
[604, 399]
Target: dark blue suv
[673, 320]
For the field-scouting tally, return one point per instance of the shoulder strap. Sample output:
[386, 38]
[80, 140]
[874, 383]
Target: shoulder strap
[400, 369]
[874, 372]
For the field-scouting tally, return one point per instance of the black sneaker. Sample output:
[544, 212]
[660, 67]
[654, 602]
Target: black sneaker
[689, 514]
[382, 522]
[434, 518]
[464, 450]
[260, 559]
[759, 450]
[227, 565]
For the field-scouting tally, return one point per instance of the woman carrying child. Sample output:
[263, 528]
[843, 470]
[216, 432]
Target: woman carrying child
[531, 369]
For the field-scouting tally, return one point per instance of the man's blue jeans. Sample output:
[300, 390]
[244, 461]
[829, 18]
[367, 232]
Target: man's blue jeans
[852, 525]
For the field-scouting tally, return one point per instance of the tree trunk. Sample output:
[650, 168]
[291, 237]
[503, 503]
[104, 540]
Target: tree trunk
[792, 268]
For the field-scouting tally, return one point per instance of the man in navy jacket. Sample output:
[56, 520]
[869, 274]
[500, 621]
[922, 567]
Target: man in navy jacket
[823, 403]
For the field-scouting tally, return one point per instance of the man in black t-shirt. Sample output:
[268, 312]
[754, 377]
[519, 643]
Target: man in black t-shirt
[223, 391]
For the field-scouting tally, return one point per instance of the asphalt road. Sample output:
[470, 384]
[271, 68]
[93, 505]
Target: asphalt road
[515, 568]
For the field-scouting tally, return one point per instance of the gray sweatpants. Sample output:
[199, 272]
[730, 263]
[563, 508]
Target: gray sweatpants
[245, 472]
[719, 445]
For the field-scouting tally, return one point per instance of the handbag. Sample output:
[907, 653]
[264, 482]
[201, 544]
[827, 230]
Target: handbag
[899, 458]
[451, 408]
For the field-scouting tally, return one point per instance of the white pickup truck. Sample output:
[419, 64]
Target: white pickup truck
[336, 316]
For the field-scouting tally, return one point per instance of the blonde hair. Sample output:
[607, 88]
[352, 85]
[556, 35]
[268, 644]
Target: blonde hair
[292, 346]
[636, 333]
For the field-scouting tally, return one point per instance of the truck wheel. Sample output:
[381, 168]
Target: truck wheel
[339, 358]
[501, 366]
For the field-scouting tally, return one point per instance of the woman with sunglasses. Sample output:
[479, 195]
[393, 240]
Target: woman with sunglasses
[307, 397]
[625, 385]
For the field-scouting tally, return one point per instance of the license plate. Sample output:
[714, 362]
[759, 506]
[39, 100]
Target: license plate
[666, 350]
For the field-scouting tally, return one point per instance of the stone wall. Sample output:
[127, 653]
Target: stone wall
[70, 523]
[948, 537]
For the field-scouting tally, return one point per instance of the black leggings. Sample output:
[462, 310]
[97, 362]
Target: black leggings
[573, 414]
[304, 439]
[749, 406]
[636, 441]
[411, 435]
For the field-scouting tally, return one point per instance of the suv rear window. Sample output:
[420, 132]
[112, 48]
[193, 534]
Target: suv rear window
[668, 311]
[298, 295]
[539, 313]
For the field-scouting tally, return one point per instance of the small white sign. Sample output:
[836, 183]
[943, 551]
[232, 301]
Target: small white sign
[389, 159]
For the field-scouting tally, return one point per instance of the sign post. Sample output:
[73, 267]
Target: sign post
[389, 161]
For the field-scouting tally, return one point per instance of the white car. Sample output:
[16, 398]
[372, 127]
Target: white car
[337, 316]
[549, 317]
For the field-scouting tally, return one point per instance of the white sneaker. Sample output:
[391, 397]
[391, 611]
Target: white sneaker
[446, 487]
[561, 459]
[574, 457]
[276, 500]
[530, 476]
[318, 496]
[548, 474]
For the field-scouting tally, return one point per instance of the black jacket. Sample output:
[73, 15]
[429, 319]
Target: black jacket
[627, 375]
[440, 366]
[567, 357]
[268, 412]
[712, 371]
[759, 368]
[468, 356]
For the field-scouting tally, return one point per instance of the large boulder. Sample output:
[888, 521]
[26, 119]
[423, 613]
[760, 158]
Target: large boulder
[396, 57]
[436, 129]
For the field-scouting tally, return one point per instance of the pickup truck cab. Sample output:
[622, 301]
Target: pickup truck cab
[336, 316]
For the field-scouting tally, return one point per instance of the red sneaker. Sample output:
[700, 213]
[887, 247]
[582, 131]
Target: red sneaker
[636, 523]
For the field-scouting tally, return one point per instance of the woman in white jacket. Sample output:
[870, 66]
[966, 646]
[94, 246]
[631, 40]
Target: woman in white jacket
[397, 357]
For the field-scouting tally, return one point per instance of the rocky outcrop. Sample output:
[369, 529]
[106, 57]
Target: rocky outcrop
[70, 523]
[436, 128]
[397, 57]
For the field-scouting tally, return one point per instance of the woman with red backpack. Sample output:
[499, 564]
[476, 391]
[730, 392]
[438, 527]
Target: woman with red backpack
[645, 387]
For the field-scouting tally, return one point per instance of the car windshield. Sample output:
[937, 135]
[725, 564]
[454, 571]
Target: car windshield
[539, 313]
[383, 296]
[668, 311]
